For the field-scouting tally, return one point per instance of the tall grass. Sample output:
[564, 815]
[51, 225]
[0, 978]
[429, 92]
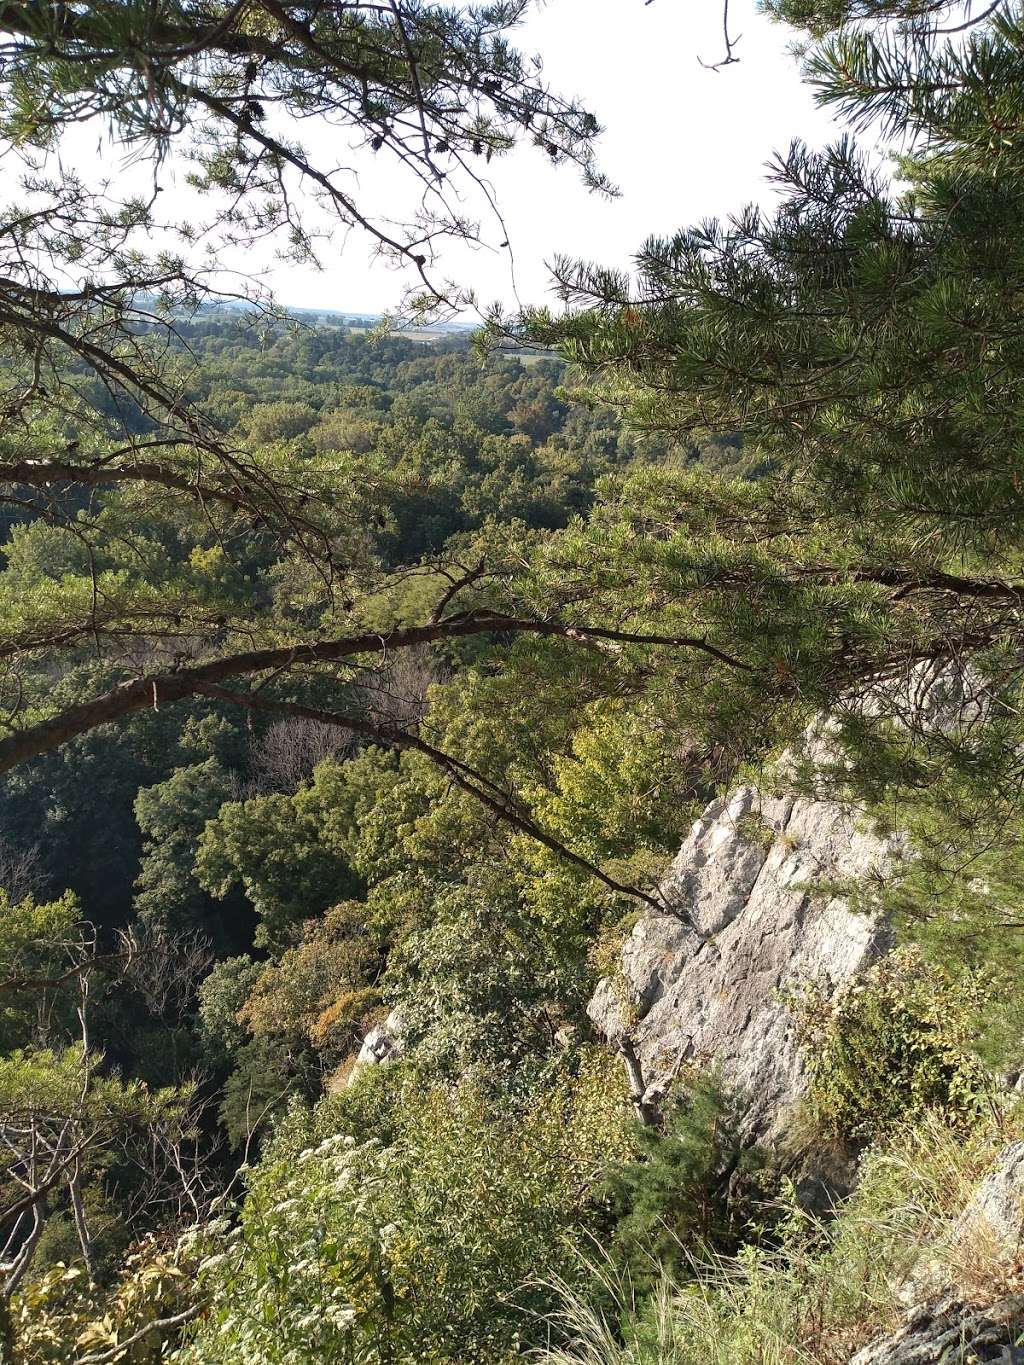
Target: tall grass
[819, 1290]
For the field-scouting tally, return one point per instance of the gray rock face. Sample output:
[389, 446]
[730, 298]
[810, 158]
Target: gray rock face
[947, 1331]
[382, 1044]
[994, 1219]
[708, 993]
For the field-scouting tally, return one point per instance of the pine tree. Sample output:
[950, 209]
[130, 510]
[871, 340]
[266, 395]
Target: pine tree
[864, 339]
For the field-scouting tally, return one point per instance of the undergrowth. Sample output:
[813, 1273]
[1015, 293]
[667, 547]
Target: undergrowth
[818, 1291]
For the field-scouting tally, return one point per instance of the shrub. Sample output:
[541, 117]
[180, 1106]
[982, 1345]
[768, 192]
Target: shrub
[677, 1200]
[889, 1046]
[430, 1248]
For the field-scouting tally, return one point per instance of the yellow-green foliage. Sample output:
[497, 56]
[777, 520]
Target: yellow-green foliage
[890, 1045]
[427, 1246]
[621, 798]
[59, 1317]
[34, 940]
[755, 829]
[317, 991]
[620, 789]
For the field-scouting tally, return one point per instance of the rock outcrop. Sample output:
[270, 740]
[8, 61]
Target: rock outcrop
[948, 1331]
[701, 982]
[995, 1216]
[747, 915]
[383, 1043]
[948, 1324]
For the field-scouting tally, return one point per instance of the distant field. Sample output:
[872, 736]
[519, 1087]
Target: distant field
[530, 357]
[424, 334]
[429, 334]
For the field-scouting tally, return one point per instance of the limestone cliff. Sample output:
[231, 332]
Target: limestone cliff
[701, 984]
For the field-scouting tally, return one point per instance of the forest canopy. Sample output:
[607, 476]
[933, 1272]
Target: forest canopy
[358, 688]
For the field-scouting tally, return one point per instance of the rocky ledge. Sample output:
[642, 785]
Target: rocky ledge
[945, 1325]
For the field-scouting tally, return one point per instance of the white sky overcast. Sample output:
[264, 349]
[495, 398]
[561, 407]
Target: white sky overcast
[681, 142]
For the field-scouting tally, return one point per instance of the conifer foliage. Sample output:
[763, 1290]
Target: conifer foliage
[863, 337]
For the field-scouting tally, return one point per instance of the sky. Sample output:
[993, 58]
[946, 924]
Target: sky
[682, 143]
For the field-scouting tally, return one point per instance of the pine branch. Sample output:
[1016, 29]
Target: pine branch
[475, 784]
[157, 689]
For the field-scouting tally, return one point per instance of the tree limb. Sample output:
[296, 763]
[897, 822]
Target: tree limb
[471, 781]
[177, 684]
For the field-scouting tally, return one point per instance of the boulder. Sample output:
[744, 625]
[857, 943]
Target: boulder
[382, 1044]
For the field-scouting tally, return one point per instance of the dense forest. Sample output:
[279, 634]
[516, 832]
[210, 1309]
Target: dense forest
[416, 745]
